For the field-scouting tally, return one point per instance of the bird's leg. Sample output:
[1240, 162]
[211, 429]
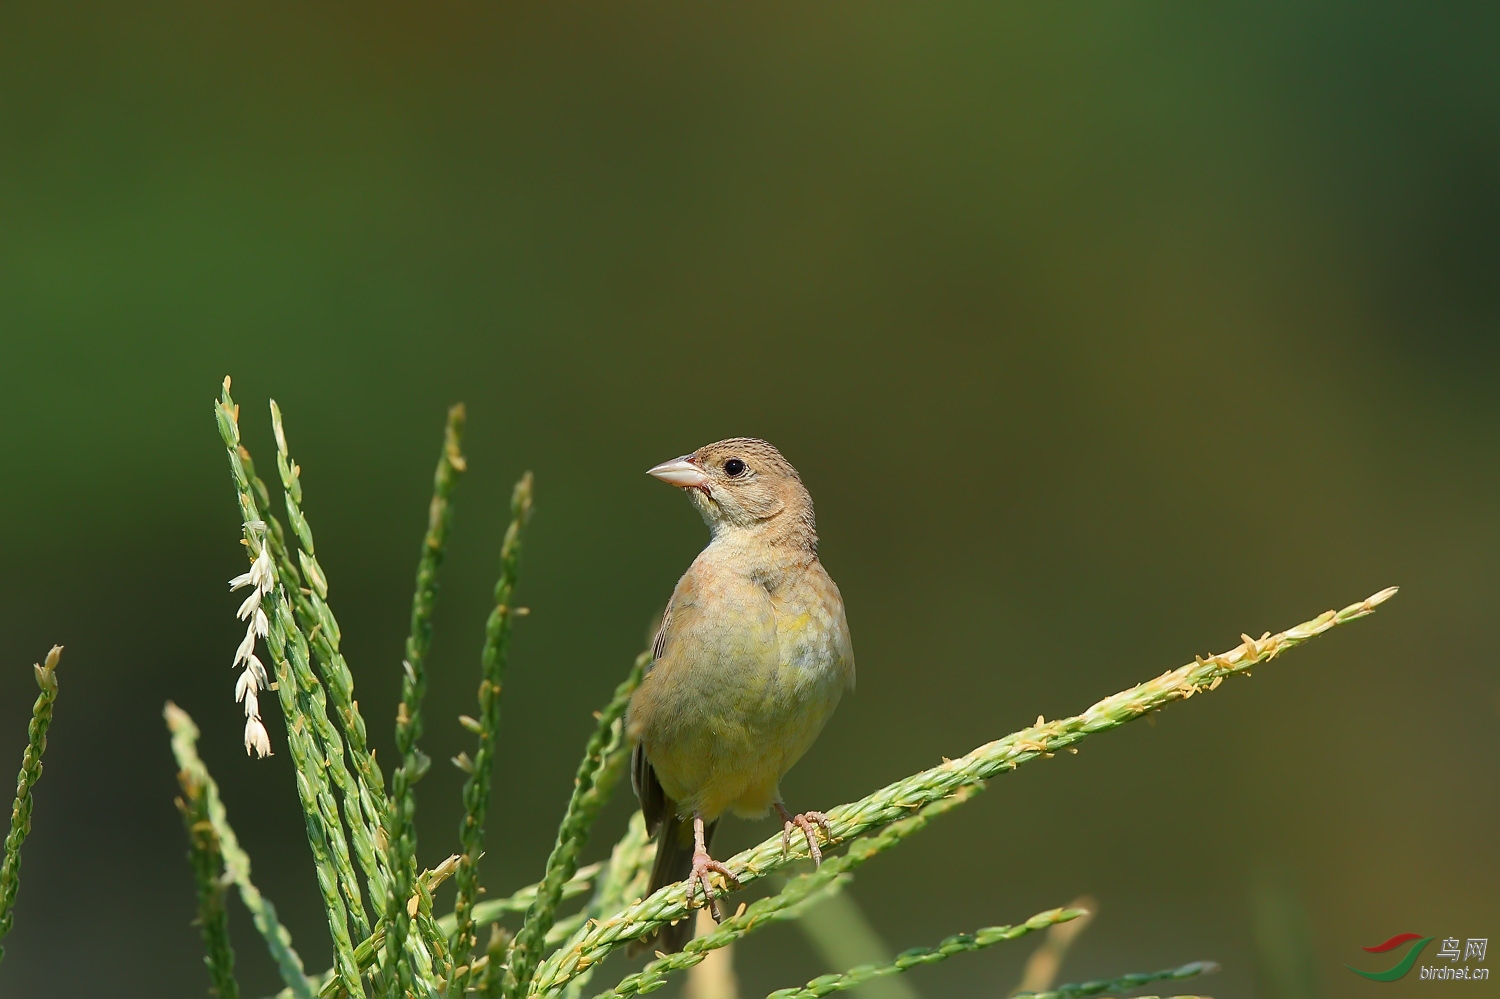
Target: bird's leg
[703, 865]
[809, 823]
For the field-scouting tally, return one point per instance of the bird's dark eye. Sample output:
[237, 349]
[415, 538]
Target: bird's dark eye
[734, 467]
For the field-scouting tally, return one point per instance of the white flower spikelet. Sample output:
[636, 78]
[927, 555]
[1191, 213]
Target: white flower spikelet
[250, 606]
[256, 738]
[261, 578]
[260, 575]
[246, 651]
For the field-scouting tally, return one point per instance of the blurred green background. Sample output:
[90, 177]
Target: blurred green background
[1100, 334]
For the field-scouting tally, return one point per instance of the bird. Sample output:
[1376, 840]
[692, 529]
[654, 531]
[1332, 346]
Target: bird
[750, 661]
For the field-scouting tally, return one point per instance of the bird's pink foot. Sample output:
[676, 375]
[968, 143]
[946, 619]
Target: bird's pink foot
[809, 823]
[703, 866]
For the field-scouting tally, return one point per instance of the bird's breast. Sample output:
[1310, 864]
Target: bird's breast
[745, 680]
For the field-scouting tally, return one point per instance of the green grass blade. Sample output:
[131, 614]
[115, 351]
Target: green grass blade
[362, 792]
[1042, 967]
[760, 913]
[843, 936]
[961, 943]
[603, 762]
[627, 876]
[401, 843]
[207, 861]
[31, 772]
[519, 901]
[484, 913]
[1124, 983]
[895, 800]
[477, 787]
[325, 835]
[337, 684]
[314, 745]
[236, 861]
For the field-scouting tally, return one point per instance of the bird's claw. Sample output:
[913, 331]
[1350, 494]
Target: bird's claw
[703, 866]
[809, 823]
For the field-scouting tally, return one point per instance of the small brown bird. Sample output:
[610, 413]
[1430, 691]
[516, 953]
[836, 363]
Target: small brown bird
[751, 660]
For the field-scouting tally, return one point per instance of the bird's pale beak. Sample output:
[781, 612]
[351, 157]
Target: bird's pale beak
[680, 472]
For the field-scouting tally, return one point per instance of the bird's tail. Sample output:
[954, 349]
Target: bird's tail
[674, 862]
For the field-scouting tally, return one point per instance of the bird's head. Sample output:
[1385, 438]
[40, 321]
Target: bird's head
[744, 484]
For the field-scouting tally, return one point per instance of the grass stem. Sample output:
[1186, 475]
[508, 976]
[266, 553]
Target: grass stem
[960, 943]
[207, 861]
[603, 762]
[1124, 983]
[764, 911]
[477, 787]
[895, 800]
[401, 843]
[363, 791]
[31, 772]
[236, 862]
[484, 913]
[313, 744]
[627, 876]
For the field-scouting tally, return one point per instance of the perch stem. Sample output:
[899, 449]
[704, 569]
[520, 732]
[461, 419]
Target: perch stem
[898, 799]
[627, 876]
[765, 911]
